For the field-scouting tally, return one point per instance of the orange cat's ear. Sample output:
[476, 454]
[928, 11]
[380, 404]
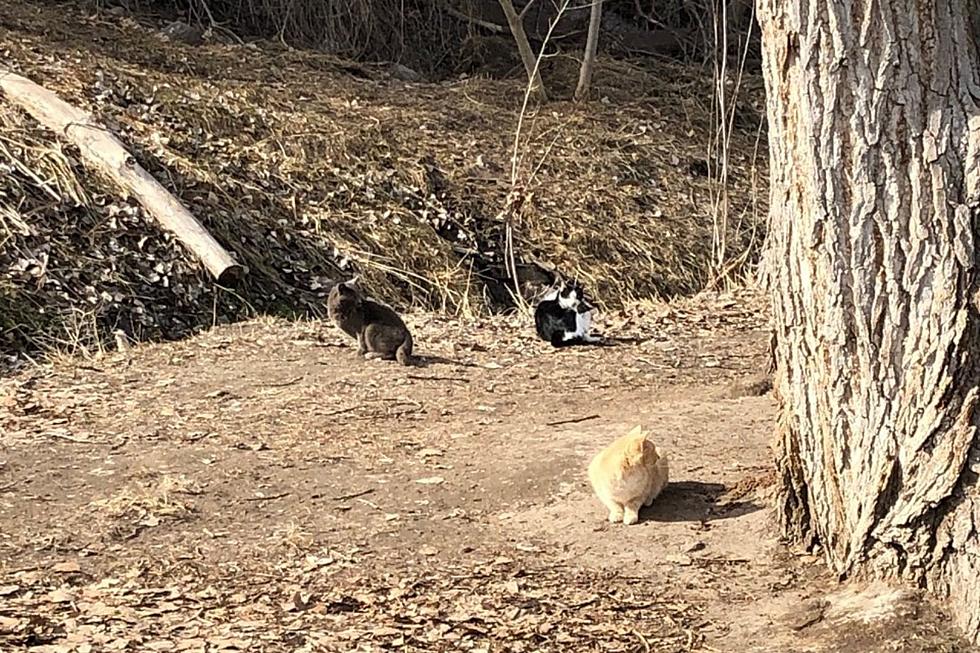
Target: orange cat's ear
[637, 440]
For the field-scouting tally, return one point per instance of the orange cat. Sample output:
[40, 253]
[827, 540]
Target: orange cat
[627, 475]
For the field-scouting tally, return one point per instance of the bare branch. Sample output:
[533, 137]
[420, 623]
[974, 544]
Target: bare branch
[524, 47]
[485, 24]
[526, 8]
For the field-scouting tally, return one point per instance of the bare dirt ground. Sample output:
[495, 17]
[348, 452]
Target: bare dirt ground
[260, 488]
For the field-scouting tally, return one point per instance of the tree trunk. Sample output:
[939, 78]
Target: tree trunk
[524, 48]
[874, 133]
[591, 47]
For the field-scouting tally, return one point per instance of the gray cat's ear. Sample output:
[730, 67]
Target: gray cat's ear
[353, 281]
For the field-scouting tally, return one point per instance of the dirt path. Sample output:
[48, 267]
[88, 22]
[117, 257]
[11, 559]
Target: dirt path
[257, 488]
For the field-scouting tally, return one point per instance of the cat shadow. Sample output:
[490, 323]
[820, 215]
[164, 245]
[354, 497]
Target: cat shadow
[422, 361]
[694, 501]
[603, 341]
[427, 361]
[616, 341]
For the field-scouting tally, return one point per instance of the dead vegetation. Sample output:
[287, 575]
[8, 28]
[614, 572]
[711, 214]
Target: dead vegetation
[327, 604]
[147, 503]
[420, 34]
[445, 38]
[310, 168]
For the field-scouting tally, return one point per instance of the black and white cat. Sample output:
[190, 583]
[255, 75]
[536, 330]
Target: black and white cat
[563, 317]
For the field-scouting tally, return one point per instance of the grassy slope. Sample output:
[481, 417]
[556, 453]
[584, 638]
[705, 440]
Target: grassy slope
[310, 168]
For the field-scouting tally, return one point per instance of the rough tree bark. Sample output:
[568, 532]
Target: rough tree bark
[874, 133]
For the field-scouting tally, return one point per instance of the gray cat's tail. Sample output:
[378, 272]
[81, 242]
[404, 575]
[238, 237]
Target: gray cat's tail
[404, 352]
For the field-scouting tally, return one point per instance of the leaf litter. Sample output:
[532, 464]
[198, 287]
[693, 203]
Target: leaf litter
[274, 590]
[498, 604]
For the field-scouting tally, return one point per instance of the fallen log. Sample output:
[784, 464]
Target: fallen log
[107, 155]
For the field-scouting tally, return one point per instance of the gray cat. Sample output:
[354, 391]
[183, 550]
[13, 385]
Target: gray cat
[379, 331]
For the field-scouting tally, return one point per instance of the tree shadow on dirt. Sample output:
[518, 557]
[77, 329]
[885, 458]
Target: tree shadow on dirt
[694, 501]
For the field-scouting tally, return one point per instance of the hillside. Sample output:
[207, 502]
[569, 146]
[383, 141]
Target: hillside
[310, 168]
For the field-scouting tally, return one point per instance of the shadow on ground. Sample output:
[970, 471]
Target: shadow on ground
[695, 501]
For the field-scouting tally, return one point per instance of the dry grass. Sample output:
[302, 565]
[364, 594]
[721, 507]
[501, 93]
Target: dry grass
[310, 174]
[149, 502]
[417, 33]
[435, 37]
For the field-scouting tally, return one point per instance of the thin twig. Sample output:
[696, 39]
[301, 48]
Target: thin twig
[55, 434]
[574, 420]
[271, 497]
[438, 378]
[516, 26]
[340, 410]
[516, 159]
[643, 640]
[283, 384]
[526, 8]
[527, 95]
[353, 495]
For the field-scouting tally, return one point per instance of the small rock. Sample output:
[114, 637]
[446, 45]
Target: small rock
[753, 386]
[696, 546]
[404, 73]
[181, 32]
[807, 614]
